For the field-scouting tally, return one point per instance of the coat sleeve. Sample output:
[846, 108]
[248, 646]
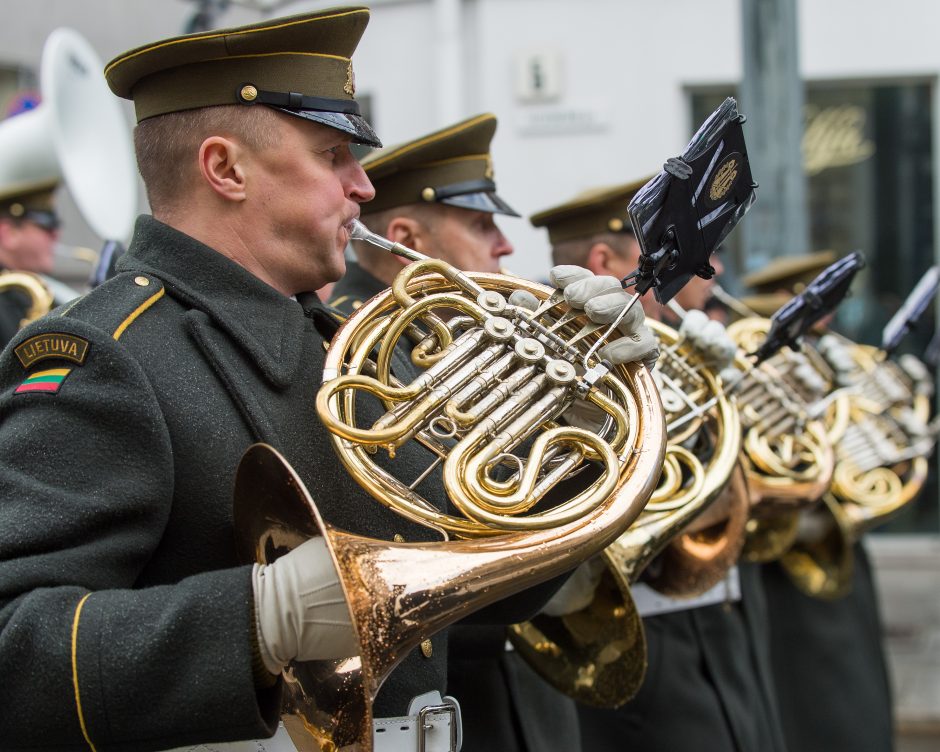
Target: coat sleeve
[86, 487]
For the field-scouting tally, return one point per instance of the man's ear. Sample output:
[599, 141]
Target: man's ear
[601, 259]
[407, 231]
[220, 164]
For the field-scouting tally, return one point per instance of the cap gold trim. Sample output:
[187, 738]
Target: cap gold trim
[398, 151]
[249, 93]
[192, 38]
[428, 194]
[615, 224]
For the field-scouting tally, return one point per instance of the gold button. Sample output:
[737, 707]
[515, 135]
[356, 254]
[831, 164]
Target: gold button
[427, 649]
[615, 225]
[249, 93]
[17, 210]
[428, 194]
[142, 281]
[398, 538]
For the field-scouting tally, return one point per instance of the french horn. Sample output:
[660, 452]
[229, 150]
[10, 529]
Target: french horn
[33, 289]
[581, 654]
[498, 376]
[788, 437]
[881, 460]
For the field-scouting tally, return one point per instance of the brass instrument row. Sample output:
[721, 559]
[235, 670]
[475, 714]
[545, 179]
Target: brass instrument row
[830, 427]
[818, 446]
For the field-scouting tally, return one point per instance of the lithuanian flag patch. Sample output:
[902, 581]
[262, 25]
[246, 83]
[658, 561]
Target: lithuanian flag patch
[44, 381]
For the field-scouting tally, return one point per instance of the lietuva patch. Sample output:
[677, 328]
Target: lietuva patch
[43, 346]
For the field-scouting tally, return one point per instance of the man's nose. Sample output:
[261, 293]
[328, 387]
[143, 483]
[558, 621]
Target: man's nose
[360, 187]
[503, 246]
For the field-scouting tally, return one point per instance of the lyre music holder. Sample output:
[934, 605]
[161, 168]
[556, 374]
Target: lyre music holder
[820, 298]
[683, 214]
[911, 310]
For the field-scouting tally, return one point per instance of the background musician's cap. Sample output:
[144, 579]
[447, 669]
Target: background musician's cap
[592, 212]
[301, 65]
[450, 166]
[35, 203]
[782, 278]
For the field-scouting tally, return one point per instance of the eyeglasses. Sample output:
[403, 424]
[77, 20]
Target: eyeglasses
[43, 219]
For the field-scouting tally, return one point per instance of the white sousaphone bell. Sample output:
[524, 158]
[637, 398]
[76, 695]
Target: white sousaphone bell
[77, 134]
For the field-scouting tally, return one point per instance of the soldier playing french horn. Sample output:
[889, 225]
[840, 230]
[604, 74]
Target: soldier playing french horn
[845, 631]
[708, 676]
[128, 617]
[437, 194]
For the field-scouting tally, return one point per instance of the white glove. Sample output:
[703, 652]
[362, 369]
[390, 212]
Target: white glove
[809, 378]
[301, 610]
[578, 590]
[602, 299]
[709, 338]
[918, 372]
[838, 357]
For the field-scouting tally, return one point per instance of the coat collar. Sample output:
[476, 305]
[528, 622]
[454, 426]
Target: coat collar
[357, 283]
[264, 323]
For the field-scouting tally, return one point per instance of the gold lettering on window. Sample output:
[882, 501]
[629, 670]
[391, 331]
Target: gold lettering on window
[835, 137]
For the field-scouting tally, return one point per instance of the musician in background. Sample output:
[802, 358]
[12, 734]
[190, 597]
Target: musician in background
[437, 195]
[828, 657]
[708, 683]
[612, 248]
[29, 229]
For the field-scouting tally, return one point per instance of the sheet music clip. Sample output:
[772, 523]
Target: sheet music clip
[683, 214]
[820, 298]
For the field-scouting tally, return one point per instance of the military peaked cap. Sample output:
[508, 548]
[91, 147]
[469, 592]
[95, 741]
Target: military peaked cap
[789, 273]
[783, 278]
[592, 212]
[450, 166]
[301, 65]
[33, 202]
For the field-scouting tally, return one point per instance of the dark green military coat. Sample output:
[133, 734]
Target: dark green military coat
[124, 613]
[829, 665]
[13, 307]
[708, 685]
[354, 289]
[506, 706]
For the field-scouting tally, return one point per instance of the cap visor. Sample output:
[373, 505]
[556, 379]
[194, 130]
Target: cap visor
[484, 201]
[354, 125]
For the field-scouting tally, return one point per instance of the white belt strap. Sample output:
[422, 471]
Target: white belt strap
[433, 724]
[650, 602]
[280, 742]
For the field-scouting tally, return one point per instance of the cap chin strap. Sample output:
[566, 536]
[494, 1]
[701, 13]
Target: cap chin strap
[248, 94]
